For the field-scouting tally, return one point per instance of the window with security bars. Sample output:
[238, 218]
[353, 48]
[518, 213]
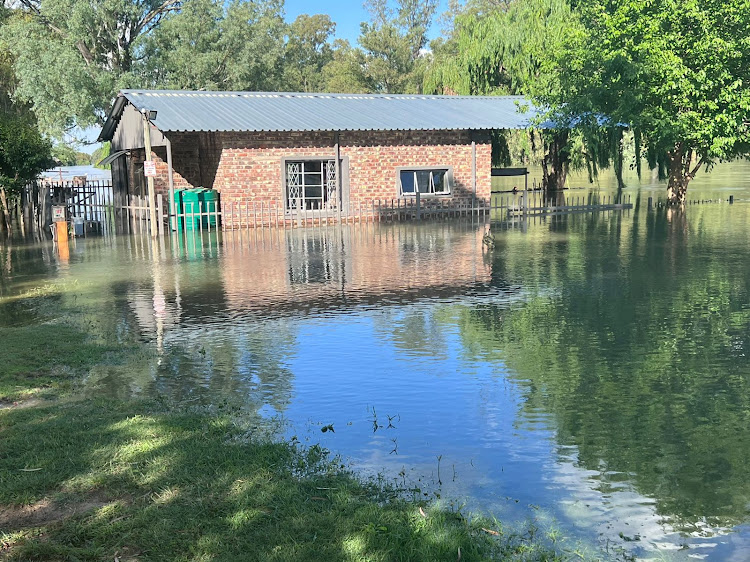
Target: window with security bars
[311, 185]
[425, 181]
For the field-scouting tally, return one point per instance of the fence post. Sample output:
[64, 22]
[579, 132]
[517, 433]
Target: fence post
[160, 213]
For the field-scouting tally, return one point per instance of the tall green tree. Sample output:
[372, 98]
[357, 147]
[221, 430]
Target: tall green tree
[214, 45]
[393, 43]
[345, 73]
[497, 50]
[71, 56]
[676, 72]
[24, 152]
[308, 50]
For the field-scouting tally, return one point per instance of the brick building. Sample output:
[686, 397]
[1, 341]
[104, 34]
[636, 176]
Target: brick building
[310, 151]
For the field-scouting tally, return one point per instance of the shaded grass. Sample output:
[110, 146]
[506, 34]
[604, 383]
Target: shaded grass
[201, 486]
[46, 357]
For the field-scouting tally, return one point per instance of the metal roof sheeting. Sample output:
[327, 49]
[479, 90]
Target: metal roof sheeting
[272, 111]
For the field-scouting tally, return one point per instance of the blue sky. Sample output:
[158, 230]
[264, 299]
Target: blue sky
[347, 15]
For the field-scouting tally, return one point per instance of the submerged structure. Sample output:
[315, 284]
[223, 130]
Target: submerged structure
[310, 152]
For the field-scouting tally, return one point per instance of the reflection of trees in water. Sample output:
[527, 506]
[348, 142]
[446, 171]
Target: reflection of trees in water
[415, 329]
[637, 342]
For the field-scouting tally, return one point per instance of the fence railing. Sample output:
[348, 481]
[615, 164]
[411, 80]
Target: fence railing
[94, 207]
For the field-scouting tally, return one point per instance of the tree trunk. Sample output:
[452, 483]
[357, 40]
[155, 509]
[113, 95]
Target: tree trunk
[618, 159]
[6, 209]
[556, 161]
[680, 173]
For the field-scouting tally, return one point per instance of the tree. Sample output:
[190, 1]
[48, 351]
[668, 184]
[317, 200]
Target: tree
[24, 154]
[345, 73]
[677, 74]
[307, 52]
[214, 45]
[72, 56]
[502, 51]
[393, 42]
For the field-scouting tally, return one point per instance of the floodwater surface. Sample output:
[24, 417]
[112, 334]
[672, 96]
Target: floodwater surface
[590, 372]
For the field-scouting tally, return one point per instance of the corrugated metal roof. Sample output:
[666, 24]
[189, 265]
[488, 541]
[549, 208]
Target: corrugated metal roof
[273, 111]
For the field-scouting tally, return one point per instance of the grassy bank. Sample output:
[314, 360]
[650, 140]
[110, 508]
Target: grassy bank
[84, 479]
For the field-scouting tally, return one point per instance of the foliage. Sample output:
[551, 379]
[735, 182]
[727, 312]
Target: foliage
[213, 45]
[71, 56]
[66, 155]
[100, 153]
[308, 51]
[344, 74]
[24, 153]
[391, 57]
[500, 51]
[676, 73]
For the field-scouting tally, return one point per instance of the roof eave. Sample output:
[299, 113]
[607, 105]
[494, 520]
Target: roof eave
[113, 118]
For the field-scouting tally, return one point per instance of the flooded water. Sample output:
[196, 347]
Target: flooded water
[590, 372]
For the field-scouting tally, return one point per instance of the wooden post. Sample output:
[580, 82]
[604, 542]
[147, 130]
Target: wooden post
[170, 174]
[474, 172]
[339, 195]
[160, 213]
[151, 193]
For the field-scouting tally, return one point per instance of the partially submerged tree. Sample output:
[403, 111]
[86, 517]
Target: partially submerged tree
[24, 154]
[677, 74]
[502, 51]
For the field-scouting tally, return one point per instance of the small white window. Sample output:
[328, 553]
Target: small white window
[425, 181]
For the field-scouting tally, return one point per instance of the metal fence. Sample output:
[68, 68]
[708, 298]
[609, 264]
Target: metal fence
[94, 208]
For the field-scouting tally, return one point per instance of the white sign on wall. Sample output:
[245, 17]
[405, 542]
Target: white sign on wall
[149, 169]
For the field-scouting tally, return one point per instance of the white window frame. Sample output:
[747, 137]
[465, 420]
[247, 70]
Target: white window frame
[448, 170]
[328, 199]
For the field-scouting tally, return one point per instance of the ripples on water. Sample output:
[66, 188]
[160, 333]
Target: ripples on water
[590, 370]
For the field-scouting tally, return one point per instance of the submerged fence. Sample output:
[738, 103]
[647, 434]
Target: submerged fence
[95, 208]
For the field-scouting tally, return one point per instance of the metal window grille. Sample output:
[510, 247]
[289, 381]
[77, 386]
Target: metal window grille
[311, 185]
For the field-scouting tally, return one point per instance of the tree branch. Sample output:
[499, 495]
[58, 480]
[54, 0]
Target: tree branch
[700, 163]
[166, 6]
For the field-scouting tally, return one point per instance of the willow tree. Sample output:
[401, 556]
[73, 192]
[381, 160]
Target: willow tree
[500, 52]
[677, 73]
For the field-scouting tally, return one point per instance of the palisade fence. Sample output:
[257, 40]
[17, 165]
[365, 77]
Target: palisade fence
[90, 207]
[94, 208]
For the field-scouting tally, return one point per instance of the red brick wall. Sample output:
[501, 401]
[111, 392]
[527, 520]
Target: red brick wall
[247, 166]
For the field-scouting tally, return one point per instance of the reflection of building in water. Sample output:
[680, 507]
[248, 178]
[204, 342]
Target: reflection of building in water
[298, 270]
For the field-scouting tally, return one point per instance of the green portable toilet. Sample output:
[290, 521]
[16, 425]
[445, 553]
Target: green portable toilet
[192, 203]
[177, 210]
[210, 206]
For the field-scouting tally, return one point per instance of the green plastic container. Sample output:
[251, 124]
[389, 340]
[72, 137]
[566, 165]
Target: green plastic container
[210, 206]
[177, 209]
[192, 203]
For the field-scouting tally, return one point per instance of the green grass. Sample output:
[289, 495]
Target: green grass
[46, 358]
[168, 485]
[101, 479]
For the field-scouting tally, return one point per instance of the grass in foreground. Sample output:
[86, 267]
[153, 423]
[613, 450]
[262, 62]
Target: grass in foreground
[105, 479]
[134, 480]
